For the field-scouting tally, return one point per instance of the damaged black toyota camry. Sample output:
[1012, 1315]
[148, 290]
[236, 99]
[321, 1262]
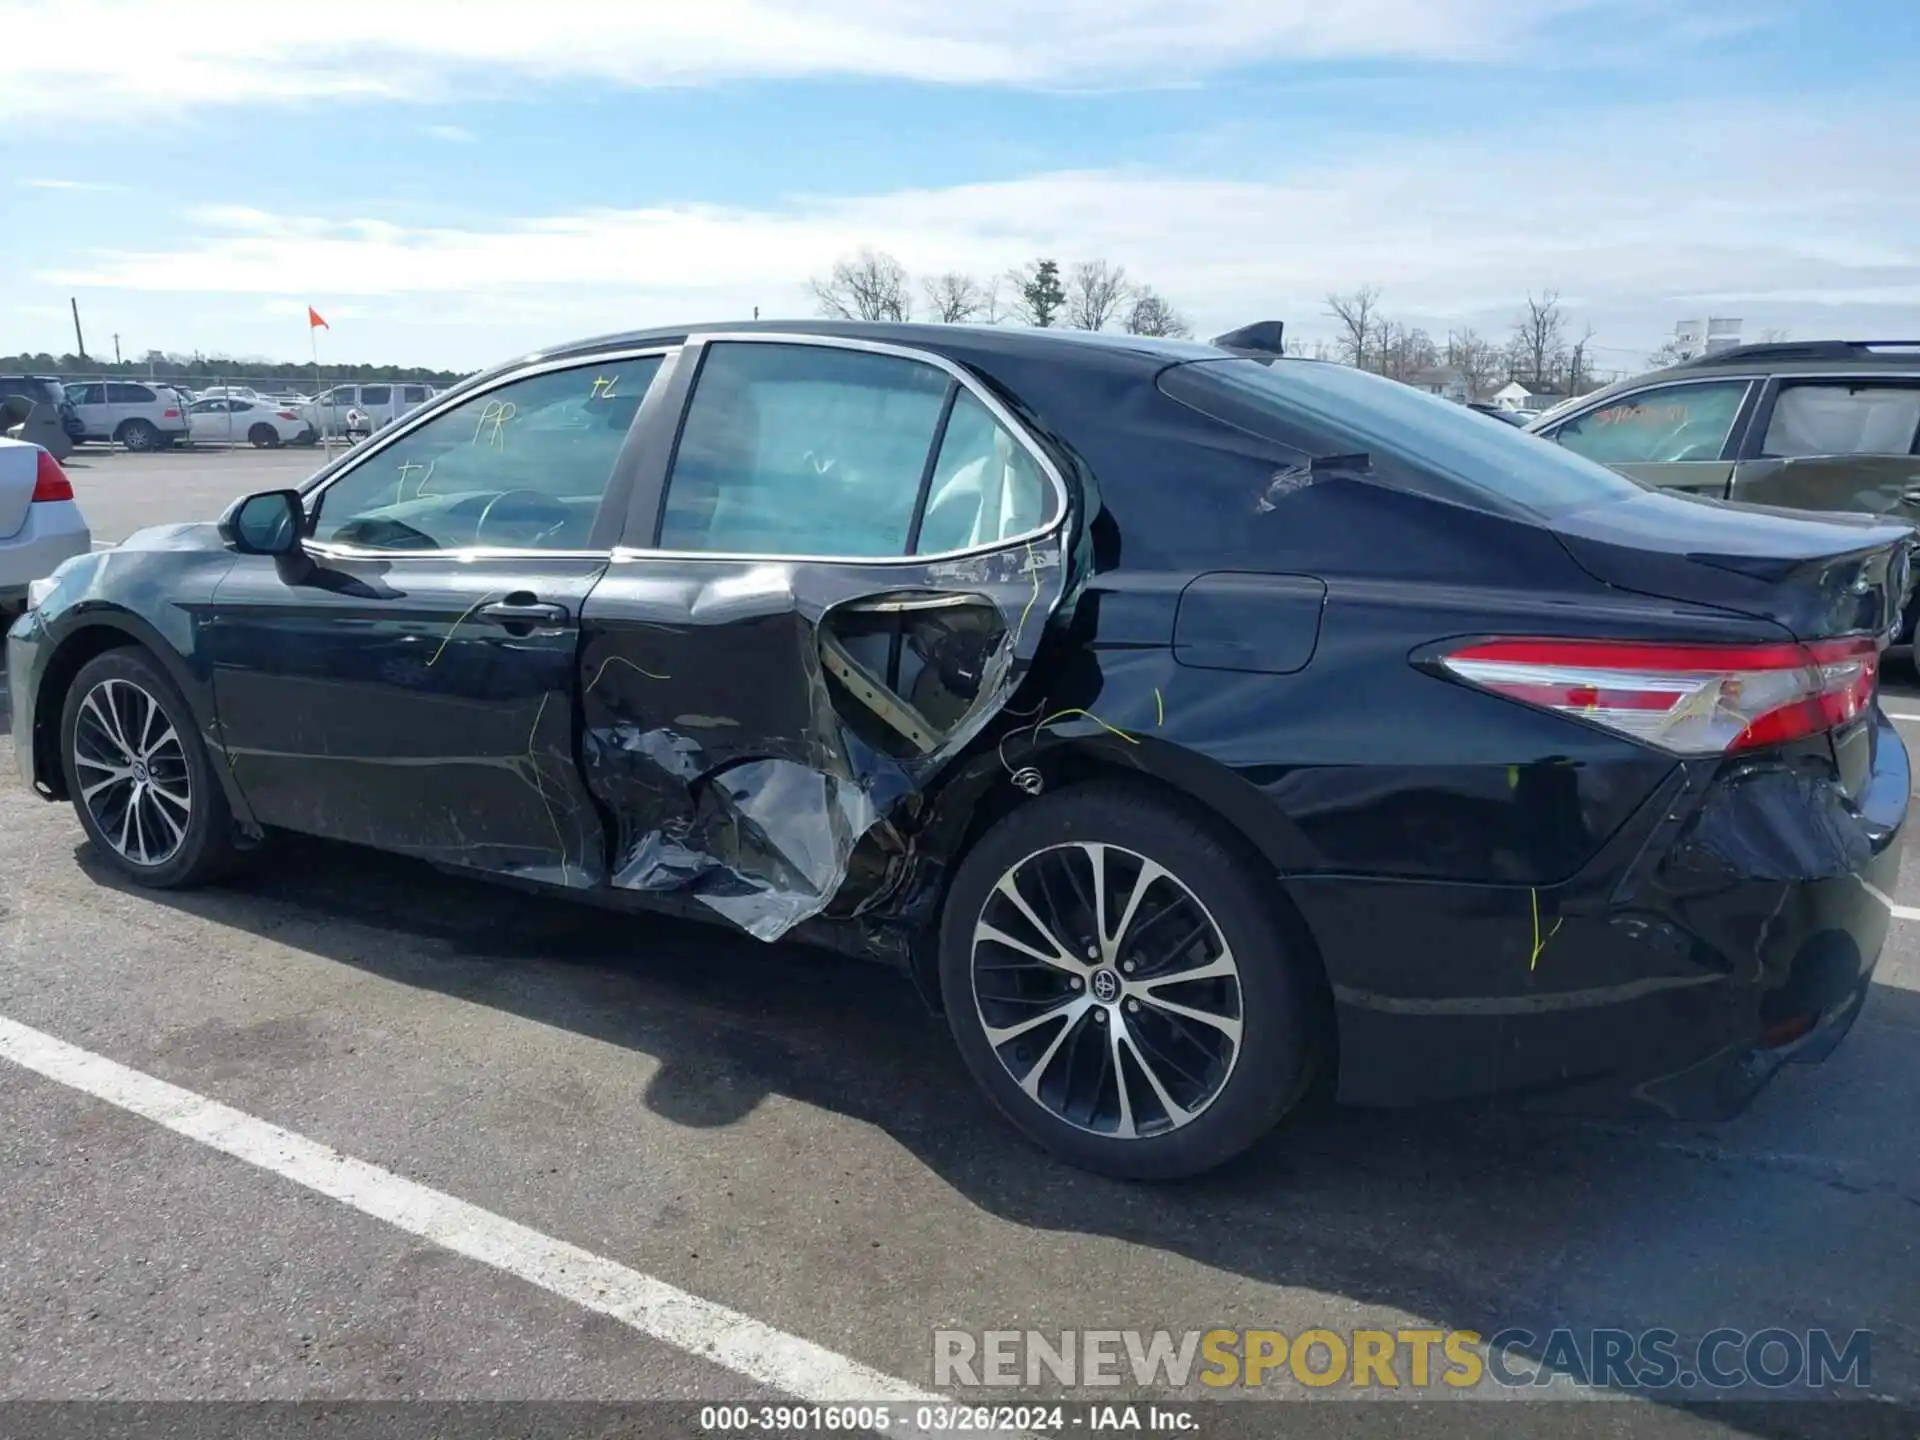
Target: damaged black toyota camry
[1191, 722]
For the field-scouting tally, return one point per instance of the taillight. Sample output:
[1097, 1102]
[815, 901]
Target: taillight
[50, 481]
[1690, 699]
[170, 414]
[288, 415]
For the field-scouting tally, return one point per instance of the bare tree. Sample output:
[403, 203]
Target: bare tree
[1359, 317]
[1402, 352]
[870, 286]
[1152, 314]
[1038, 297]
[1671, 352]
[1096, 292]
[1477, 360]
[1540, 346]
[1773, 335]
[954, 298]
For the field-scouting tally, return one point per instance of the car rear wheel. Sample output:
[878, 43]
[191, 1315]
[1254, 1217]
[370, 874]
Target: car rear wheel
[139, 435]
[139, 775]
[1120, 983]
[264, 437]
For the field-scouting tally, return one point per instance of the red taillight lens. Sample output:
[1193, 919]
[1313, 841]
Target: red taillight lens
[170, 415]
[1691, 699]
[288, 415]
[50, 481]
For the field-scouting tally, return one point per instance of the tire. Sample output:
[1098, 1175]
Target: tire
[110, 693]
[264, 437]
[138, 435]
[1230, 1084]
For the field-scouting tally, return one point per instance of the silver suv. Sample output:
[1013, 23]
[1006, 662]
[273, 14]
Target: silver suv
[131, 413]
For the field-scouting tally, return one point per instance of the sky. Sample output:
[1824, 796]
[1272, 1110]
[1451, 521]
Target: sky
[453, 182]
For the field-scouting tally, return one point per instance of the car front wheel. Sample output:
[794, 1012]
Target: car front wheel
[139, 775]
[1120, 983]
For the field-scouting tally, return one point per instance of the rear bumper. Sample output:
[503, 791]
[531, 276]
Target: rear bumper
[1731, 929]
[54, 530]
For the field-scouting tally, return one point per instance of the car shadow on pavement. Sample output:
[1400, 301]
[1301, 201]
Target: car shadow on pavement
[1798, 1214]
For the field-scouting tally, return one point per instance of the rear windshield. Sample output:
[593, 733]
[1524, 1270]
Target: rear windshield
[1320, 408]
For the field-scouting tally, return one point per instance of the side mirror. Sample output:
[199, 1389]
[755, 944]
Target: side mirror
[265, 524]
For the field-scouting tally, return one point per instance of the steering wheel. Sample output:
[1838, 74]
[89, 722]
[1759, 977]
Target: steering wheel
[544, 511]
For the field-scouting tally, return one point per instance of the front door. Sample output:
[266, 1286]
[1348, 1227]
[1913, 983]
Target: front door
[837, 583]
[415, 687]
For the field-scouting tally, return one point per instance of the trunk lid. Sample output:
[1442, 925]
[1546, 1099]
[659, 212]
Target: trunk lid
[19, 465]
[1815, 574]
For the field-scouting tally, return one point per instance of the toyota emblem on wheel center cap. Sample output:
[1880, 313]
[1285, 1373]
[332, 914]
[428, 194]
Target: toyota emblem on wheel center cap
[1106, 986]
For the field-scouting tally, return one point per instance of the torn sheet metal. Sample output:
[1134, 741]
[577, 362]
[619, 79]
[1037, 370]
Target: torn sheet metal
[757, 730]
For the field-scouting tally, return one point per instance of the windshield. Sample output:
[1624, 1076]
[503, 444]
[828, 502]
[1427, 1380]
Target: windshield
[1322, 408]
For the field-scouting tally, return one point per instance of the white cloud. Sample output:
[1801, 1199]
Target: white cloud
[130, 56]
[1797, 217]
[453, 134]
[69, 185]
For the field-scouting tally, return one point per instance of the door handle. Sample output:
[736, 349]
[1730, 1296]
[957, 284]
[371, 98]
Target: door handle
[523, 612]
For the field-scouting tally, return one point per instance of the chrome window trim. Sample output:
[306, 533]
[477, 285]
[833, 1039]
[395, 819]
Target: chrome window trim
[954, 371]
[440, 405]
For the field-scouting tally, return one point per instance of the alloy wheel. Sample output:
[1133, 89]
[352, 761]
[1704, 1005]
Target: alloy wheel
[1106, 990]
[132, 772]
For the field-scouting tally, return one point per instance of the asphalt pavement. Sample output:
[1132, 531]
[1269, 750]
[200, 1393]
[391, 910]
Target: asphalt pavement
[445, 1104]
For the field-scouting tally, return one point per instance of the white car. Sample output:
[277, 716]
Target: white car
[260, 423]
[40, 522]
[127, 412]
[381, 402]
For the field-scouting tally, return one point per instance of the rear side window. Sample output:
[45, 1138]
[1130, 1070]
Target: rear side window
[1813, 418]
[375, 394]
[1665, 425]
[821, 450]
[119, 394]
[1416, 440]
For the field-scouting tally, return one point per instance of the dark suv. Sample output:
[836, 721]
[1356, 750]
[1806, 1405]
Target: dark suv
[1812, 425]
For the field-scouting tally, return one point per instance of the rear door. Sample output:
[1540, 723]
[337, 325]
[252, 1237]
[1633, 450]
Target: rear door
[831, 582]
[1835, 443]
[1677, 436]
[415, 689]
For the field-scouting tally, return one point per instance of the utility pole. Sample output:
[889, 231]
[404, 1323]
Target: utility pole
[116, 347]
[78, 338]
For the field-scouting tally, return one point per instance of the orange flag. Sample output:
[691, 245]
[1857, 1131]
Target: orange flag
[314, 321]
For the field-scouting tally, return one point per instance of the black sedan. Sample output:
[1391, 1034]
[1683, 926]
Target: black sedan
[1190, 724]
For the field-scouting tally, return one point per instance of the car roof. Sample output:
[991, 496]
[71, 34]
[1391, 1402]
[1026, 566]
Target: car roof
[1005, 339]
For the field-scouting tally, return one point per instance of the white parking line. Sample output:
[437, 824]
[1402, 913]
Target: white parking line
[652, 1307]
[1899, 912]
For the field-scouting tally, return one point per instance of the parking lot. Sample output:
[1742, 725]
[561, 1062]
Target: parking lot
[778, 1132]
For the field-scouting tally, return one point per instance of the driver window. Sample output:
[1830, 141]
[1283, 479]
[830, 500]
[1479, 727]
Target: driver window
[1664, 425]
[520, 467]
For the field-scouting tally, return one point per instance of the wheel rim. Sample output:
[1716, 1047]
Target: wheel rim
[132, 771]
[1106, 990]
